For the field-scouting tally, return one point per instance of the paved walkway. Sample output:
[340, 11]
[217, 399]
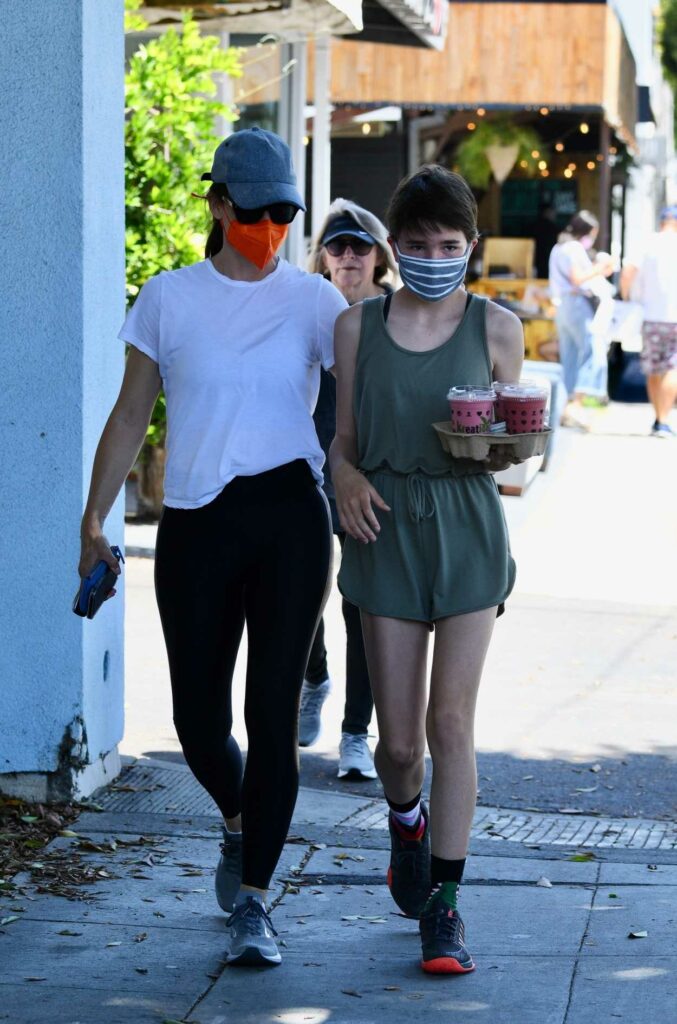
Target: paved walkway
[551, 899]
[549, 923]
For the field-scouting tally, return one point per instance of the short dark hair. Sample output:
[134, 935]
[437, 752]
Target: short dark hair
[214, 242]
[582, 224]
[432, 198]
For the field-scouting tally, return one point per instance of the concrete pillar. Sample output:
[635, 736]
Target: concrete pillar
[62, 229]
[321, 133]
[603, 237]
[225, 93]
[292, 128]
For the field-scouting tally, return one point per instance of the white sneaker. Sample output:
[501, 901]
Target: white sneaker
[355, 757]
[312, 699]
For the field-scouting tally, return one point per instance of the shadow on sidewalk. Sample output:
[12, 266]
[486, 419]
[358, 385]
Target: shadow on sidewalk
[619, 785]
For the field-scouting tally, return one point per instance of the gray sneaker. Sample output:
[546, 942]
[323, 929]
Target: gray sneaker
[229, 870]
[355, 758]
[313, 697]
[252, 936]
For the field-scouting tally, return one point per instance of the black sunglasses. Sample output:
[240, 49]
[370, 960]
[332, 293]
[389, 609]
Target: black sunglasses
[279, 213]
[337, 246]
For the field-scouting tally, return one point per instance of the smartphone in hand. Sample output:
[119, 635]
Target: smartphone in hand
[95, 588]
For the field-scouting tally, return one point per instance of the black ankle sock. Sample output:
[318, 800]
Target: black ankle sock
[446, 870]
[402, 815]
[445, 876]
[403, 808]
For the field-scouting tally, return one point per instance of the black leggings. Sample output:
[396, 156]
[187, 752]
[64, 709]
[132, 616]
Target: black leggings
[359, 703]
[258, 553]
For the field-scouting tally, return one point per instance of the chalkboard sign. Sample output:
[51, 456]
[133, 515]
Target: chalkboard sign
[523, 201]
[537, 208]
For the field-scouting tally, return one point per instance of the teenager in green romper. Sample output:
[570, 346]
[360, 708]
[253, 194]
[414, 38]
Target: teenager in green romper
[427, 543]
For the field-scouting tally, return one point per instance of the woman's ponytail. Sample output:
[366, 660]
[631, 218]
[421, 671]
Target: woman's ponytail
[214, 242]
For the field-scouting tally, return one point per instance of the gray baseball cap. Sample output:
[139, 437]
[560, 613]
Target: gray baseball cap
[256, 166]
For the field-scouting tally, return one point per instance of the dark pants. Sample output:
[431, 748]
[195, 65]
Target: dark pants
[359, 701]
[258, 554]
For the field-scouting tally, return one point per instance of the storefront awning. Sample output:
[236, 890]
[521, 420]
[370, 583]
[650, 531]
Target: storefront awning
[405, 22]
[644, 112]
[288, 20]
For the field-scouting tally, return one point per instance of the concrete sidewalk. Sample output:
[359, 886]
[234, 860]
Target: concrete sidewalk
[548, 920]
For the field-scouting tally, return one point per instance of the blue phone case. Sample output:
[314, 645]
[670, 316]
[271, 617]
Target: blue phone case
[95, 588]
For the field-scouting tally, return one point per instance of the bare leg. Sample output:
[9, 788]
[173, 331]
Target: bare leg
[396, 655]
[662, 390]
[461, 644]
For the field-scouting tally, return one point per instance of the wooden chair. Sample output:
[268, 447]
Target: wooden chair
[517, 254]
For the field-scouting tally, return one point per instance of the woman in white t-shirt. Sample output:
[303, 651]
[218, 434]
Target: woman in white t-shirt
[237, 342]
[651, 278]
[571, 273]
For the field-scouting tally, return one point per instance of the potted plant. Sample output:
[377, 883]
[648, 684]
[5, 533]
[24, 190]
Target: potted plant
[494, 147]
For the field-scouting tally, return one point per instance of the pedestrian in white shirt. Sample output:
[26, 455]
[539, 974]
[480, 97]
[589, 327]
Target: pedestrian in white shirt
[237, 342]
[651, 279]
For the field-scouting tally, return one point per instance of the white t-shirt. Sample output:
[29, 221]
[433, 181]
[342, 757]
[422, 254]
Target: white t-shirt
[565, 257]
[240, 365]
[655, 286]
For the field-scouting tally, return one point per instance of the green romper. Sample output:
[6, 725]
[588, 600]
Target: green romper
[443, 548]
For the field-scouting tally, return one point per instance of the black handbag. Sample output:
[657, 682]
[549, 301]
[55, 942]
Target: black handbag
[627, 382]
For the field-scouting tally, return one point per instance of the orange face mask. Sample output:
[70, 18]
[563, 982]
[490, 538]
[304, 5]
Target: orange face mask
[258, 242]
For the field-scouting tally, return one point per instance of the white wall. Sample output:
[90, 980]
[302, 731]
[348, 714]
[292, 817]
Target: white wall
[636, 18]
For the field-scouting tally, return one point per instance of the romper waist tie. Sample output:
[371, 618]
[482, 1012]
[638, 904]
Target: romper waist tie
[419, 494]
[419, 497]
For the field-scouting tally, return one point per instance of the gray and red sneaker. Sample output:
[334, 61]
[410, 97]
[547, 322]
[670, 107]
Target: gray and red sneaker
[443, 940]
[409, 872]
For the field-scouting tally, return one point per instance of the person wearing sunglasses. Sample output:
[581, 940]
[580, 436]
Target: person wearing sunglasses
[237, 341]
[351, 249]
[427, 544]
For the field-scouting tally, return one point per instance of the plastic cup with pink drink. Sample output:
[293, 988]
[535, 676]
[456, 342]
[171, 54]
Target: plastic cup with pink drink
[522, 406]
[471, 408]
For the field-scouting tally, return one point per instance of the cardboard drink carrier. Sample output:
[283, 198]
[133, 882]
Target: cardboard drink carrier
[517, 447]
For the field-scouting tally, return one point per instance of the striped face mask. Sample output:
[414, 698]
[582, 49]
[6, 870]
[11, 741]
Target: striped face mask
[433, 280]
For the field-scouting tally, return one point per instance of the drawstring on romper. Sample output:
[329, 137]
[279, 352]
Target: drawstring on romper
[419, 497]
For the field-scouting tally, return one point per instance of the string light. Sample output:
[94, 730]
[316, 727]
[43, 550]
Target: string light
[571, 166]
[535, 153]
[584, 128]
[481, 111]
[366, 128]
[613, 150]
[545, 174]
[524, 163]
[559, 146]
[471, 126]
[542, 165]
[544, 111]
[591, 165]
[599, 158]
[568, 173]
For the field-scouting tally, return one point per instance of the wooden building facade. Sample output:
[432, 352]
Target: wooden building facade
[553, 65]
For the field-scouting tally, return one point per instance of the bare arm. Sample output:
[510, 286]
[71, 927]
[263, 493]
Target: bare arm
[601, 267]
[355, 496]
[628, 276]
[505, 339]
[116, 453]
